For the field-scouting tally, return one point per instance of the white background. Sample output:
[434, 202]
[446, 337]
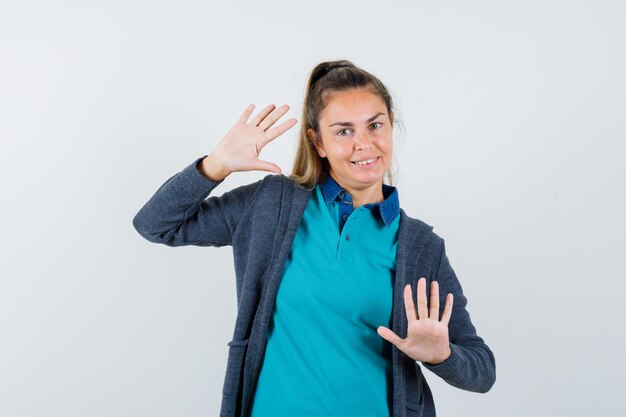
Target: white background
[512, 147]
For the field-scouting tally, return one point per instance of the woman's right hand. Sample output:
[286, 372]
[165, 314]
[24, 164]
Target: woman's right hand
[239, 150]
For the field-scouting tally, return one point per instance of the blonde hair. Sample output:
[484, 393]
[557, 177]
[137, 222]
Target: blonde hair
[309, 167]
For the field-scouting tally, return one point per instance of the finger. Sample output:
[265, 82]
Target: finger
[275, 132]
[422, 304]
[273, 117]
[390, 336]
[246, 114]
[434, 300]
[408, 303]
[266, 166]
[447, 309]
[259, 117]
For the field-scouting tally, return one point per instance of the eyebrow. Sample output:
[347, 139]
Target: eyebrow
[352, 124]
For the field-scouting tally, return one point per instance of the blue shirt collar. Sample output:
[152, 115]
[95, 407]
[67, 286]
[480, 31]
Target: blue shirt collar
[389, 208]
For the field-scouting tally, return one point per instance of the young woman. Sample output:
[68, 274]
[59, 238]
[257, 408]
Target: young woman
[327, 263]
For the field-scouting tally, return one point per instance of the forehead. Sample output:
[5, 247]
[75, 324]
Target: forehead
[356, 104]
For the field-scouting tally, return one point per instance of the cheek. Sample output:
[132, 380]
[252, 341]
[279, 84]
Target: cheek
[341, 151]
[384, 144]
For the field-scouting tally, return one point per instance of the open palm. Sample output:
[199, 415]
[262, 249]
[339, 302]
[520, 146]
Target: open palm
[427, 337]
[240, 148]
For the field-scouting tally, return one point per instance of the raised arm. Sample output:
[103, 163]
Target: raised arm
[179, 213]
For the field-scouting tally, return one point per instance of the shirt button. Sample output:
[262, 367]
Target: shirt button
[341, 194]
[345, 217]
[347, 237]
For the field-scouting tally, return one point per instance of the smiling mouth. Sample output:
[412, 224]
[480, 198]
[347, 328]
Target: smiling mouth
[365, 161]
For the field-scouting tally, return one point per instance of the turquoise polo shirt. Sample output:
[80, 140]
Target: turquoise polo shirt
[323, 355]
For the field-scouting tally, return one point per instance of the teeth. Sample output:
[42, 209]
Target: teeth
[368, 161]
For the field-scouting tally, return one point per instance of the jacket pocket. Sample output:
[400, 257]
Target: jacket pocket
[234, 367]
[414, 408]
[414, 391]
[231, 393]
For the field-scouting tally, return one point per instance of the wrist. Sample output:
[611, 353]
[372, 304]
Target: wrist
[438, 361]
[211, 169]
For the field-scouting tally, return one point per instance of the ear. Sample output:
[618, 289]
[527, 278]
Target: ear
[319, 146]
[391, 114]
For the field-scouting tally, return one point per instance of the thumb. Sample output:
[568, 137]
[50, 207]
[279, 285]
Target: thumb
[266, 166]
[389, 336]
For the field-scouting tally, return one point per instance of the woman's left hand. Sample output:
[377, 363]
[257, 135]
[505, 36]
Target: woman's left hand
[427, 337]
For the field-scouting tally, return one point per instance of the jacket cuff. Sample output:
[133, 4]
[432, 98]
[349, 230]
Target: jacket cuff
[193, 182]
[451, 367]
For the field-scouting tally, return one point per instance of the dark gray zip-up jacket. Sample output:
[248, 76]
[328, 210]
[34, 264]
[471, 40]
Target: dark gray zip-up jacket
[261, 233]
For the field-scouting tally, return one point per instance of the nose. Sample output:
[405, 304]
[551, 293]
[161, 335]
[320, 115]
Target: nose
[362, 141]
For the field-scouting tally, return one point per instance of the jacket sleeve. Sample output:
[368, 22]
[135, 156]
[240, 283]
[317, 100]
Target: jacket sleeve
[179, 213]
[471, 365]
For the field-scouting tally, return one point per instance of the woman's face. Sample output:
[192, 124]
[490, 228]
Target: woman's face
[356, 138]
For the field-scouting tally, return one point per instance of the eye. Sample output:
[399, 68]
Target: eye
[339, 132]
[377, 123]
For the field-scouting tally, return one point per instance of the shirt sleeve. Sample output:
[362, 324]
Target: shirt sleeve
[179, 213]
[471, 364]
